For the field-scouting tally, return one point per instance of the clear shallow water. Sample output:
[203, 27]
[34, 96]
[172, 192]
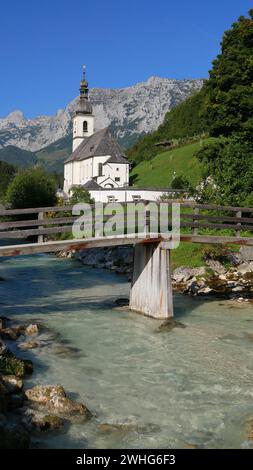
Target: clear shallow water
[189, 387]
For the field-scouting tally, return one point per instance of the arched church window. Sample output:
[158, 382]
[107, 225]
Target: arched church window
[85, 126]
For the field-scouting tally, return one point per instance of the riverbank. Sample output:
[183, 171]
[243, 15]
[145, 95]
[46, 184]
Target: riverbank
[230, 277]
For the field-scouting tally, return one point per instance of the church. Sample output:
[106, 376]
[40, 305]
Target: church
[97, 160]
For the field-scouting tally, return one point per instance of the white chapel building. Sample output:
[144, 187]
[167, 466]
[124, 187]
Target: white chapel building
[96, 160]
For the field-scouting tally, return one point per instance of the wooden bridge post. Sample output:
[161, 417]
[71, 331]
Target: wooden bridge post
[151, 290]
[40, 217]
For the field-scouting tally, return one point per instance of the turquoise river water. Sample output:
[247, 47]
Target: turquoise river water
[192, 387]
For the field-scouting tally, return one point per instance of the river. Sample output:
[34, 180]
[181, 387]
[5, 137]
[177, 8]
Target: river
[192, 387]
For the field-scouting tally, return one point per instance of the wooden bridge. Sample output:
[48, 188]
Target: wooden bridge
[151, 290]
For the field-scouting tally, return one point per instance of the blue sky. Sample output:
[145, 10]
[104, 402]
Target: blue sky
[44, 44]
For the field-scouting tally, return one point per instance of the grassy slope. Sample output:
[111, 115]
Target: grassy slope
[187, 254]
[159, 171]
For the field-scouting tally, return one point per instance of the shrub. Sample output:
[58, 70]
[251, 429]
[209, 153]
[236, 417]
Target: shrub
[31, 188]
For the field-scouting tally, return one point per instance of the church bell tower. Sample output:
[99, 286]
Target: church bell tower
[83, 122]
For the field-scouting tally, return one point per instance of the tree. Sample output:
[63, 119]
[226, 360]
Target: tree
[180, 182]
[229, 90]
[229, 113]
[79, 194]
[32, 188]
[7, 173]
[230, 162]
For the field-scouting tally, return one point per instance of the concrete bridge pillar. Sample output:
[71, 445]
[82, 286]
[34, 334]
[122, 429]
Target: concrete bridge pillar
[151, 290]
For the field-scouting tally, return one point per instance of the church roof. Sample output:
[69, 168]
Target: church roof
[101, 143]
[117, 159]
[91, 184]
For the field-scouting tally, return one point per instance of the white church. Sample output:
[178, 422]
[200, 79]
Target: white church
[96, 162]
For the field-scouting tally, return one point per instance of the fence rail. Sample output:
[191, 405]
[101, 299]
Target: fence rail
[196, 220]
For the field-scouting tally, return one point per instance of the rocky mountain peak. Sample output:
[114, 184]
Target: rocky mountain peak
[131, 112]
[15, 117]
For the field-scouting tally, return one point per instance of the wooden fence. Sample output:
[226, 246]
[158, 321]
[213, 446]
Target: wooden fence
[197, 221]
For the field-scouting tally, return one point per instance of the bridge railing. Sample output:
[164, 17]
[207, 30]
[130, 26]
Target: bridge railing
[196, 220]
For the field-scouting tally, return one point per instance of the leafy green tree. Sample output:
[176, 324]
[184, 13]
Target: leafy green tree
[180, 182]
[229, 90]
[229, 114]
[230, 162]
[79, 194]
[7, 173]
[32, 188]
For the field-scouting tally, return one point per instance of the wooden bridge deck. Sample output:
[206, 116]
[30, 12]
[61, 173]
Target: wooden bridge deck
[81, 244]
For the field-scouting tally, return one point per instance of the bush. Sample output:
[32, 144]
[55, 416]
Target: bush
[79, 194]
[32, 188]
[215, 252]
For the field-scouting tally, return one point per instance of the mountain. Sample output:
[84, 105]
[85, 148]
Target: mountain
[53, 156]
[17, 157]
[131, 112]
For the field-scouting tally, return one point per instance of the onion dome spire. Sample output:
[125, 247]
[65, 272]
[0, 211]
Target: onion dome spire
[84, 105]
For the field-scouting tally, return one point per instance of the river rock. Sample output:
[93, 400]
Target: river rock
[184, 274]
[216, 266]
[44, 393]
[56, 400]
[244, 268]
[169, 325]
[47, 422]
[11, 365]
[11, 333]
[14, 436]
[206, 291]
[28, 345]
[32, 330]
[12, 383]
[246, 253]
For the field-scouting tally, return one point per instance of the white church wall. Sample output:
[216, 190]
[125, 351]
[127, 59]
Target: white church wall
[96, 161]
[117, 172]
[127, 195]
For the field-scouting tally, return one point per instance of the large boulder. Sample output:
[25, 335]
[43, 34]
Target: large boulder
[42, 394]
[55, 399]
